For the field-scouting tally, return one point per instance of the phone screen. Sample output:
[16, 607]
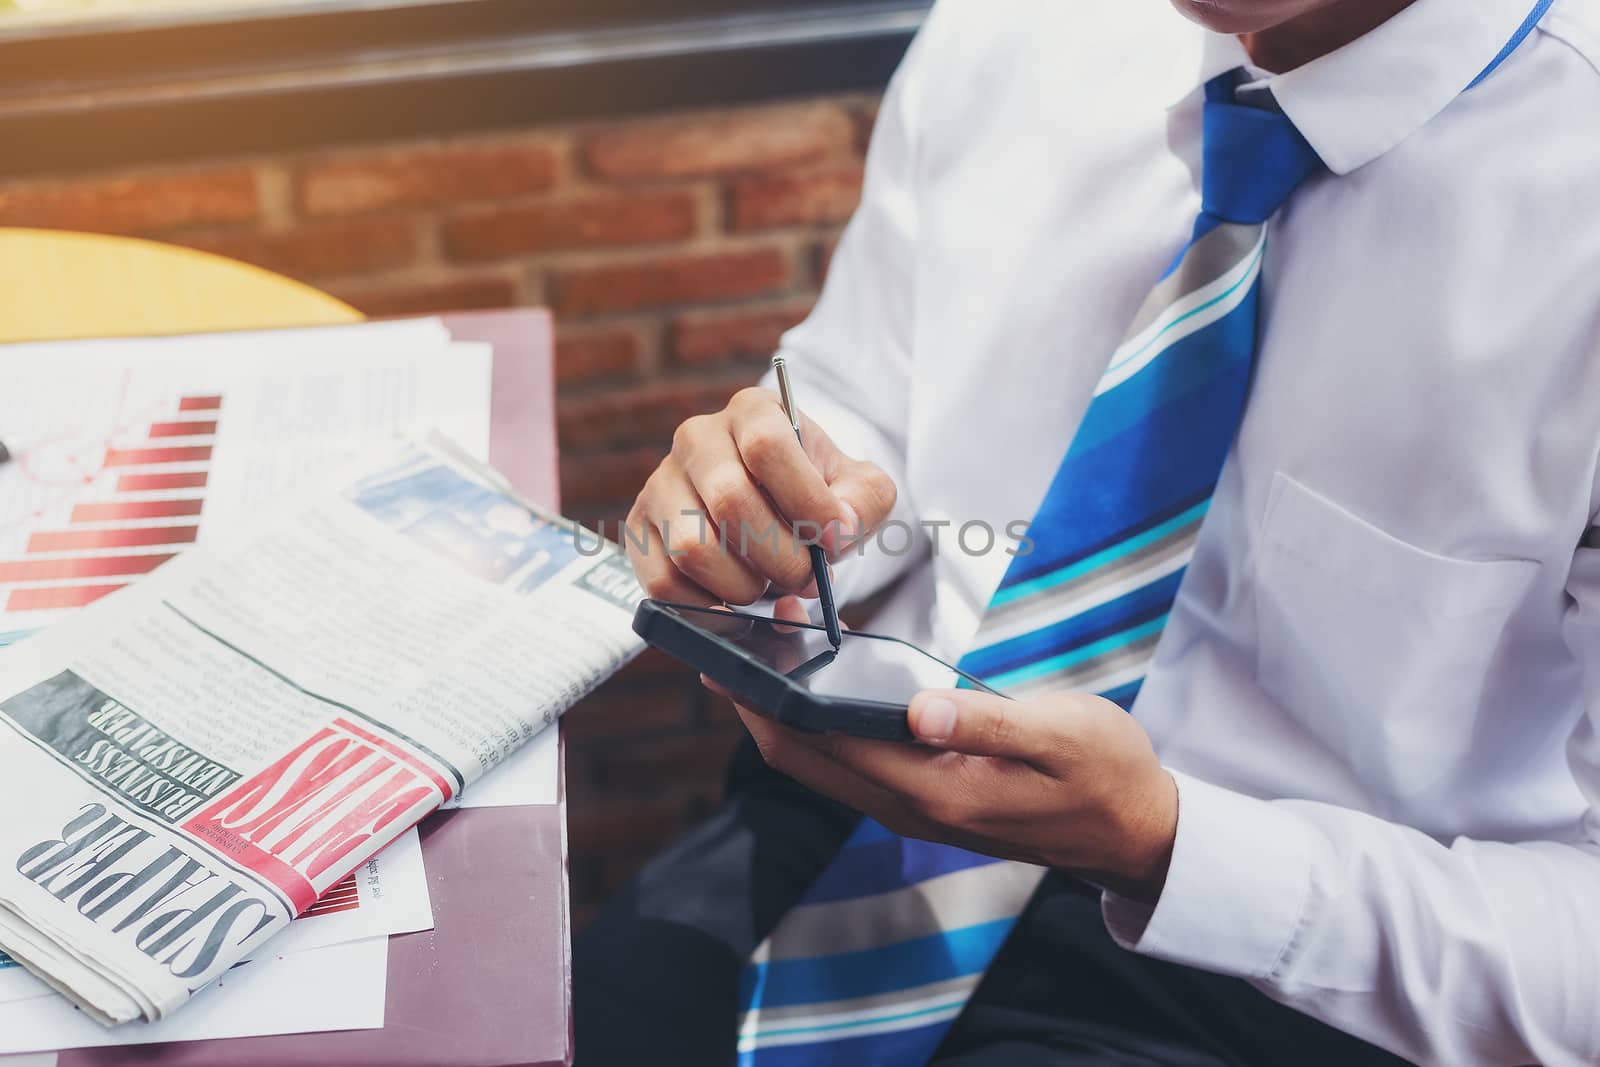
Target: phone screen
[864, 667]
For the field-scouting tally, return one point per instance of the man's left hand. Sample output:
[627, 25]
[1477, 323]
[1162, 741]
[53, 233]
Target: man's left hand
[1064, 780]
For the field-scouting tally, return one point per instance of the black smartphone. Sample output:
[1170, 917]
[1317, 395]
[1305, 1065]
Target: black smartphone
[792, 673]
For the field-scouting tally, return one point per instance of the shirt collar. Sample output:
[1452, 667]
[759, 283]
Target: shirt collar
[1355, 104]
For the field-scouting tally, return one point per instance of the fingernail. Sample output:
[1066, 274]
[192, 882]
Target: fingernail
[936, 719]
[839, 533]
[852, 521]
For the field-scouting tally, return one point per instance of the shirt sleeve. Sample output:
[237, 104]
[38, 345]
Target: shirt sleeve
[1463, 953]
[851, 359]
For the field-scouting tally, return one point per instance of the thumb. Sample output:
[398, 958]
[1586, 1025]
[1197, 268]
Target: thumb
[984, 724]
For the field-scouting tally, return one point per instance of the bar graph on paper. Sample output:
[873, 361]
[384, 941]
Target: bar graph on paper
[128, 452]
[95, 508]
[345, 896]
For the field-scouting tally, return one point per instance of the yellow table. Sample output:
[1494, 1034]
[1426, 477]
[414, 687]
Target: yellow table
[56, 285]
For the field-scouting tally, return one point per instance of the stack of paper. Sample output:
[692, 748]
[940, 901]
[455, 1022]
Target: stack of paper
[129, 451]
[326, 972]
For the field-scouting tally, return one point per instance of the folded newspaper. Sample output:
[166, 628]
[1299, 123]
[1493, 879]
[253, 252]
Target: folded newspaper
[190, 763]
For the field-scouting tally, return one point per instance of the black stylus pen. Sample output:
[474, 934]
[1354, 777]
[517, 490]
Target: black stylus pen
[819, 559]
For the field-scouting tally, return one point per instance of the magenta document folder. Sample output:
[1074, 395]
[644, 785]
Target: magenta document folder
[491, 984]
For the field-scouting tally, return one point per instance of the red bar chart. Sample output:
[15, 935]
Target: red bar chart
[343, 896]
[141, 507]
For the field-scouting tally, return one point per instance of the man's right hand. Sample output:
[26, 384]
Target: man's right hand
[730, 511]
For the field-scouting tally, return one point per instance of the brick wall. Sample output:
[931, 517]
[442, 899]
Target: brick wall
[673, 251]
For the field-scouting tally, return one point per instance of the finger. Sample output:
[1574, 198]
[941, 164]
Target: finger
[716, 687]
[790, 474]
[908, 771]
[748, 526]
[692, 543]
[789, 609]
[1036, 731]
[796, 755]
[865, 491]
[786, 609]
[657, 576]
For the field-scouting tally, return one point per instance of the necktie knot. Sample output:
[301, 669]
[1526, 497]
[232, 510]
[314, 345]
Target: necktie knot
[1253, 157]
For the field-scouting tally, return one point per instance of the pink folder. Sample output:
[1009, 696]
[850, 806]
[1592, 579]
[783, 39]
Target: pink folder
[491, 984]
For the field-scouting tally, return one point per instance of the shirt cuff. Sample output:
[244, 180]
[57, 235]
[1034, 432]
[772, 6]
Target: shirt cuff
[1236, 890]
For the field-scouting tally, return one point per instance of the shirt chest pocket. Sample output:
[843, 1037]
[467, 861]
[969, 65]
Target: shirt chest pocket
[1380, 648]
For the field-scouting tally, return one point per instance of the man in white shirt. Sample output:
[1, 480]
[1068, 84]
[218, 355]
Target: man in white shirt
[1354, 808]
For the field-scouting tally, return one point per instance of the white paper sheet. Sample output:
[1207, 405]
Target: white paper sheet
[388, 895]
[17, 984]
[528, 776]
[127, 451]
[341, 987]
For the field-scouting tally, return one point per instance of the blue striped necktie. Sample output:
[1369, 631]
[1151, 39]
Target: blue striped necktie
[880, 955]
[882, 952]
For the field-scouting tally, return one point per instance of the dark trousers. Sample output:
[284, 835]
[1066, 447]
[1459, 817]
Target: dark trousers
[656, 974]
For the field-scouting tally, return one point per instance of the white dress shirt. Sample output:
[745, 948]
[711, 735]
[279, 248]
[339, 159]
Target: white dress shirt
[1380, 687]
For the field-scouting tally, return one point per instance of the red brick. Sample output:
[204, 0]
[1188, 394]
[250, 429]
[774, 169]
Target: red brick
[137, 204]
[617, 710]
[824, 257]
[582, 792]
[321, 249]
[621, 827]
[797, 199]
[720, 713]
[425, 298]
[434, 174]
[584, 222]
[732, 336]
[642, 414]
[866, 116]
[606, 477]
[681, 759]
[597, 353]
[607, 515]
[680, 279]
[717, 143]
[595, 776]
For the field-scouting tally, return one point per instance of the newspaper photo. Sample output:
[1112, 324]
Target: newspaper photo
[193, 761]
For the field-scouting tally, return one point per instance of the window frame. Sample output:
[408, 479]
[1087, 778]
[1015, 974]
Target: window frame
[128, 90]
